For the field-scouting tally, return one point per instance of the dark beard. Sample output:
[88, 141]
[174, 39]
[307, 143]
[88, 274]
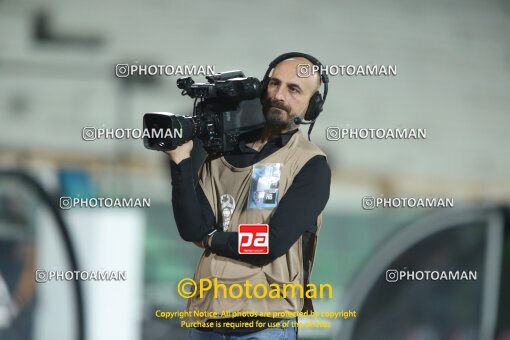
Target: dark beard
[273, 115]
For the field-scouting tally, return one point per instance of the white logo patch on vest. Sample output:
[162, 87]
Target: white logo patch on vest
[228, 205]
[265, 186]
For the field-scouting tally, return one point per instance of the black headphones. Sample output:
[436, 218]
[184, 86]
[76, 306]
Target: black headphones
[317, 100]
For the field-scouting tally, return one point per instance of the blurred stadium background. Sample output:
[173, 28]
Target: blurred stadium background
[57, 76]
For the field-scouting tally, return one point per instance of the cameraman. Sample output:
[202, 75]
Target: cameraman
[277, 158]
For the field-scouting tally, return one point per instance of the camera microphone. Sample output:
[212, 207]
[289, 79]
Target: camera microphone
[299, 121]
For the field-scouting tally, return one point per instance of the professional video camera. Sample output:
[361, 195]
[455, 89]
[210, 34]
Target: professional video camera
[227, 107]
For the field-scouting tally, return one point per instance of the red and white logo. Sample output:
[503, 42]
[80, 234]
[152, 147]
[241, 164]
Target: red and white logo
[253, 238]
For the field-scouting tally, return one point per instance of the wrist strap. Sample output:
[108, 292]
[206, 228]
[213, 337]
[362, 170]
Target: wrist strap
[205, 240]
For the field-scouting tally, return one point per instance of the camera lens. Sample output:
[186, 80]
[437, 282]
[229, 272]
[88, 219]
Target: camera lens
[167, 131]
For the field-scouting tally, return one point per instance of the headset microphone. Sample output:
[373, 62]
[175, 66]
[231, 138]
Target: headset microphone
[299, 121]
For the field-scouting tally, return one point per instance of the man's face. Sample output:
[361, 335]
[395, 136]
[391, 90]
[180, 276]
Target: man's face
[287, 94]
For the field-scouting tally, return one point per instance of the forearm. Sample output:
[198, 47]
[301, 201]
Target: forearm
[192, 222]
[226, 244]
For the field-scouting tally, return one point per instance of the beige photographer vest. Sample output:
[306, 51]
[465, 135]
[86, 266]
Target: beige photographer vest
[217, 179]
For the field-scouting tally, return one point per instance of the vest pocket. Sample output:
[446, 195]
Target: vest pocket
[282, 280]
[232, 271]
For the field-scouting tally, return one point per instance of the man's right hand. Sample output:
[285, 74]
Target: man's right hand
[181, 152]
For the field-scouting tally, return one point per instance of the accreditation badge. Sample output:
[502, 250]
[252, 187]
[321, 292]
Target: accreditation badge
[265, 186]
